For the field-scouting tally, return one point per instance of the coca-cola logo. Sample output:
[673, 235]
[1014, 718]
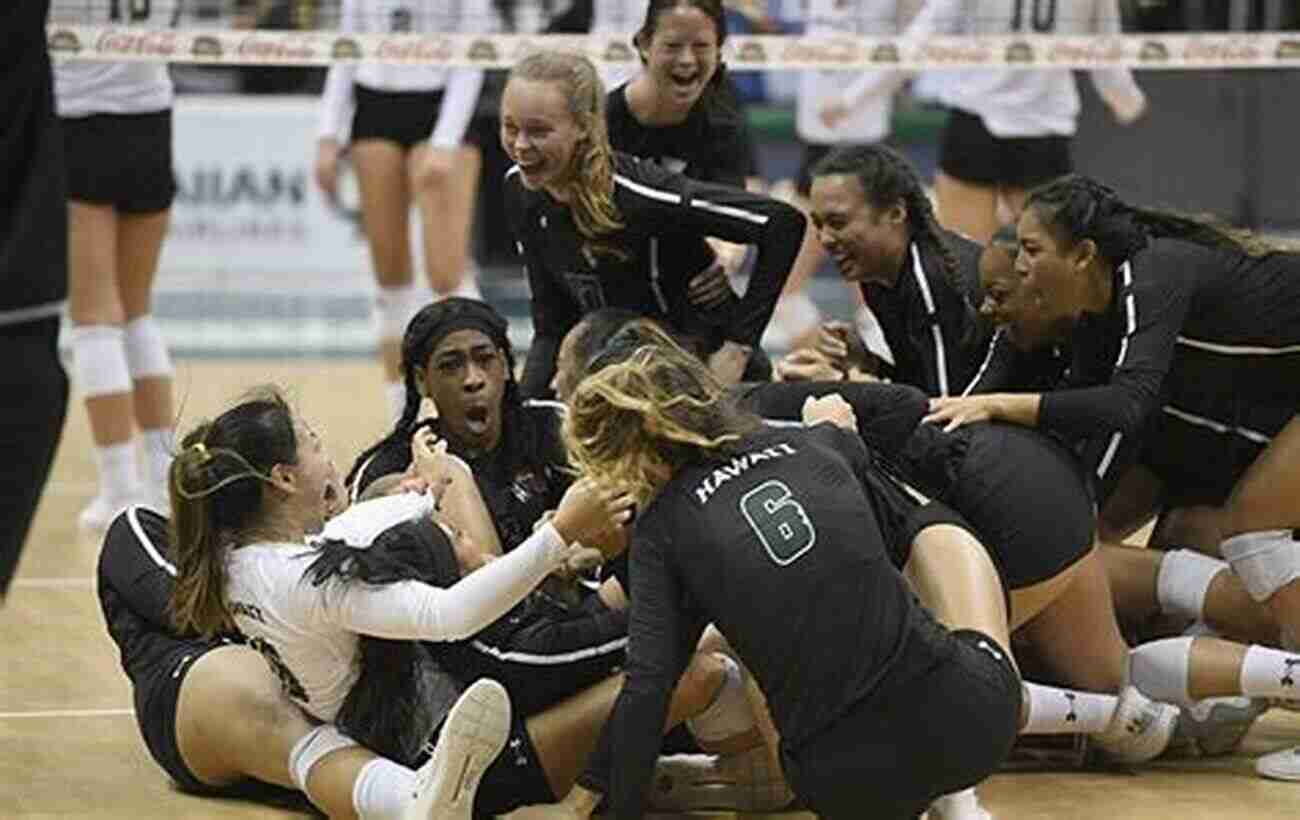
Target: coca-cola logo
[833, 52]
[276, 47]
[1288, 50]
[885, 53]
[138, 43]
[65, 42]
[415, 49]
[206, 47]
[619, 52]
[1152, 51]
[484, 51]
[1221, 51]
[1020, 53]
[954, 52]
[1086, 51]
[345, 48]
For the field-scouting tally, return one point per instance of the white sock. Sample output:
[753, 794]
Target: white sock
[383, 790]
[1054, 711]
[118, 479]
[159, 447]
[395, 393]
[1183, 580]
[1270, 673]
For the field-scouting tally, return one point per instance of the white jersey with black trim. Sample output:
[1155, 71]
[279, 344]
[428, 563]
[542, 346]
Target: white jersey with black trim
[462, 85]
[87, 87]
[869, 121]
[312, 633]
[1016, 103]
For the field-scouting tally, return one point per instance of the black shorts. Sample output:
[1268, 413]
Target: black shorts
[542, 658]
[970, 153]
[404, 117]
[123, 160]
[156, 701]
[1026, 497]
[813, 153]
[894, 753]
[1200, 450]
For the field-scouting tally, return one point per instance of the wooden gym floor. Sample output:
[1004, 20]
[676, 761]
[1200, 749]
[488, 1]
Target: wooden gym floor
[69, 746]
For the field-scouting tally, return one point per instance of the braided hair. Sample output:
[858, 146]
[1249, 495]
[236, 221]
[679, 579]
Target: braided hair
[887, 179]
[520, 437]
[1076, 207]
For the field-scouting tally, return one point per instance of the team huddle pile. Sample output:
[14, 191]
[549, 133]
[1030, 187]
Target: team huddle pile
[648, 554]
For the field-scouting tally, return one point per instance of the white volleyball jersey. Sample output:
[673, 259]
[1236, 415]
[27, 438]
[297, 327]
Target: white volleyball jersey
[869, 121]
[404, 17]
[311, 634]
[86, 87]
[1020, 103]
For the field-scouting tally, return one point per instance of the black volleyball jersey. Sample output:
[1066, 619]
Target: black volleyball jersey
[1184, 319]
[516, 490]
[708, 146]
[785, 546]
[929, 320]
[33, 205]
[647, 264]
[135, 581]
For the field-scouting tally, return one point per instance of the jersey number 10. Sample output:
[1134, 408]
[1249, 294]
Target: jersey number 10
[1042, 18]
[136, 10]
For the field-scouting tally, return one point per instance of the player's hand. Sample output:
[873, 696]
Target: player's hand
[807, 365]
[327, 167]
[840, 343]
[957, 411]
[832, 408]
[430, 461]
[710, 289]
[588, 508]
[729, 361]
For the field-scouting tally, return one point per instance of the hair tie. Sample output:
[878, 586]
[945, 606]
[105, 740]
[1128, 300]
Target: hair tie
[202, 449]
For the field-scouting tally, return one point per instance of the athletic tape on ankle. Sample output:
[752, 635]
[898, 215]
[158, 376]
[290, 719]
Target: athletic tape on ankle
[1183, 580]
[99, 359]
[394, 308]
[146, 349]
[1159, 670]
[1265, 561]
[729, 714]
[309, 751]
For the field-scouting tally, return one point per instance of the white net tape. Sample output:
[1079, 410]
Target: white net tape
[241, 47]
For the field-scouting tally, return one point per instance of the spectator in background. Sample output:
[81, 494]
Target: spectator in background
[1009, 130]
[34, 272]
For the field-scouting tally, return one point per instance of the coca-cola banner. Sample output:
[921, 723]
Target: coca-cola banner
[847, 53]
[248, 206]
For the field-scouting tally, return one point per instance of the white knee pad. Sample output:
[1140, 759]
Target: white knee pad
[146, 350]
[1159, 669]
[1183, 580]
[99, 357]
[309, 751]
[729, 714]
[394, 308]
[1265, 561]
